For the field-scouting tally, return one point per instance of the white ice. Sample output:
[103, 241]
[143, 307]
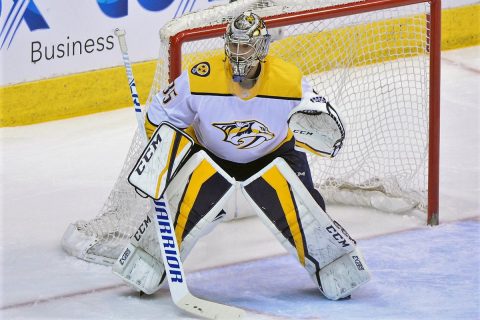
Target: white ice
[55, 173]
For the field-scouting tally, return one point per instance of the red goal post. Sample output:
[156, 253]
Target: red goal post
[433, 25]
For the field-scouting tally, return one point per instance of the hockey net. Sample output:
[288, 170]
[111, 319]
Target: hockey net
[375, 61]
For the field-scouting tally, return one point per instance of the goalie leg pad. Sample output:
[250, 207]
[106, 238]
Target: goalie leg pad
[288, 209]
[195, 196]
[139, 265]
[140, 270]
[344, 275]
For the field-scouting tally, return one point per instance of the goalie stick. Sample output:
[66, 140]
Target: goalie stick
[181, 296]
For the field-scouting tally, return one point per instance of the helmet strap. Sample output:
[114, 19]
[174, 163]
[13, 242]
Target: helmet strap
[251, 74]
[249, 81]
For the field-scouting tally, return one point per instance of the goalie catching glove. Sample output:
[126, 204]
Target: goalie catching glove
[317, 127]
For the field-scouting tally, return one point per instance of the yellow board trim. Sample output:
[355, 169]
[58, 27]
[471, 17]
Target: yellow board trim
[72, 95]
[201, 174]
[276, 180]
[107, 89]
[461, 27]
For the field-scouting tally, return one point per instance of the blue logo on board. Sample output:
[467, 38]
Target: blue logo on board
[22, 11]
[27, 12]
[119, 8]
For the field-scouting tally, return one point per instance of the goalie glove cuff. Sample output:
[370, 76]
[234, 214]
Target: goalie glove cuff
[317, 127]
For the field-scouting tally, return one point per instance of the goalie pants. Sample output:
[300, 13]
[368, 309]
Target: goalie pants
[297, 160]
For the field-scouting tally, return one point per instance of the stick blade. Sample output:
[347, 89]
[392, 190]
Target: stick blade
[208, 309]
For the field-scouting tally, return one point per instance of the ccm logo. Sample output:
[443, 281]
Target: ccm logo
[337, 236]
[141, 230]
[303, 132]
[148, 154]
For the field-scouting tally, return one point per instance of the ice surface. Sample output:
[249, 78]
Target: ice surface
[58, 172]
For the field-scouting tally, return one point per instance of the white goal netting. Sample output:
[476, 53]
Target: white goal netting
[374, 67]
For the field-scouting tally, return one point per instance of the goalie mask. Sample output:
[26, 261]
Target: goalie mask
[246, 44]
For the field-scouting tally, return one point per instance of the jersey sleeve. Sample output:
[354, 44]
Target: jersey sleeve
[171, 104]
[307, 89]
[307, 93]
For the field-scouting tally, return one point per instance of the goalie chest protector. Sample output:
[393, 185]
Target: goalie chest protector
[234, 129]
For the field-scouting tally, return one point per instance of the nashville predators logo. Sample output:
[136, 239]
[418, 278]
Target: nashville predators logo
[201, 69]
[245, 134]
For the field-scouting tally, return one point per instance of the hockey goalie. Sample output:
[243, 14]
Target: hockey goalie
[245, 119]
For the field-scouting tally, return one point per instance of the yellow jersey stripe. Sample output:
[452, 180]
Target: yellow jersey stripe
[150, 127]
[278, 79]
[287, 138]
[191, 132]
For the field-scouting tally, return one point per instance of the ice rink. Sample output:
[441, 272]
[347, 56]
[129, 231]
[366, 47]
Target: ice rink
[55, 173]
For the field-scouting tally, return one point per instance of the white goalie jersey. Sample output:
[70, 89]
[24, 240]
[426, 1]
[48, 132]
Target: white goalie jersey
[232, 128]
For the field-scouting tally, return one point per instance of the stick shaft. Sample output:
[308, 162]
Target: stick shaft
[175, 273]
[131, 80]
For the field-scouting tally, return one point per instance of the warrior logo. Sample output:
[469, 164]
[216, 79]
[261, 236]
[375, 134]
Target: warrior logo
[245, 134]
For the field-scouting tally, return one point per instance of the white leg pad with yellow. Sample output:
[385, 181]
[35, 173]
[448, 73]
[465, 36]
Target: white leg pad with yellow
[344, 275]
[140, 265]
[195, 196]
[287, 208]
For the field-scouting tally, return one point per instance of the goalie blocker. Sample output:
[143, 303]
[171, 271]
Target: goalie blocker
[160, 160]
